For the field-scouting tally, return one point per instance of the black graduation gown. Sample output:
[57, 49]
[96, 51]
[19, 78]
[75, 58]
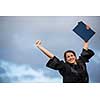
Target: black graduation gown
[72, 73]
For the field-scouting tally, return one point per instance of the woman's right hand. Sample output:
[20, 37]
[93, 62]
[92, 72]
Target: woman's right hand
[44, 50]
[38, 43]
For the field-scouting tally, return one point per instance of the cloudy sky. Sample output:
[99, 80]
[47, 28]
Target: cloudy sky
[21, 61]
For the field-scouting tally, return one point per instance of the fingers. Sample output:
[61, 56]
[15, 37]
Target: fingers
[38, 42]
[87, 27]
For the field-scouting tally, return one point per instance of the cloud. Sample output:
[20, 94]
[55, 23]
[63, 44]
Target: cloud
[23, 73]
[18, 35]
[94, 68]
[97, 57]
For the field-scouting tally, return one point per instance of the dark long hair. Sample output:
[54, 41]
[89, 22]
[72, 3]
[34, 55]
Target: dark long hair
[77, 60]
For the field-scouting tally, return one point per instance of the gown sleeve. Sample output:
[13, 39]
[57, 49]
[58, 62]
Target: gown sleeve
[55, 63]
[86, 55]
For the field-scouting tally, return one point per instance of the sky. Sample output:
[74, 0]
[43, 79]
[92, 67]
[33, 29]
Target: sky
[21, 61]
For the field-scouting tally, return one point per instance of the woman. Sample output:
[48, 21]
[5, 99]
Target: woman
[73, 70]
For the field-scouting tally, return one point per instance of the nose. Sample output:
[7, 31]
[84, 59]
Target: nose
[70, 57]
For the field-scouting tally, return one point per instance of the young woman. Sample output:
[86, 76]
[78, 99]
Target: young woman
[73, 70]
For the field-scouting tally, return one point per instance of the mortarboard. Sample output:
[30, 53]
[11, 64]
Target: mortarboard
[83, 32]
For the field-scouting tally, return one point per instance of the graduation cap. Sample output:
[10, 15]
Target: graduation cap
[84, 32]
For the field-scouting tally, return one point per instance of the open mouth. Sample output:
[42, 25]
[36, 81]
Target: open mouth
[72, 59]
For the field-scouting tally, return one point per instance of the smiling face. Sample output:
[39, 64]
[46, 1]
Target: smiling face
[70, 57]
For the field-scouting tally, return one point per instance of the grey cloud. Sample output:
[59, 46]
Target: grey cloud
[94, 72]
[4, 79]
[14, 73]
[18, 34]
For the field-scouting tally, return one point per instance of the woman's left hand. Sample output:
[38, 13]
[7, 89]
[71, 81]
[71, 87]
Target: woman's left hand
[87, 27]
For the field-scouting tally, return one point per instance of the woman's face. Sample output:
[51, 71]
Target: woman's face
[71, 58]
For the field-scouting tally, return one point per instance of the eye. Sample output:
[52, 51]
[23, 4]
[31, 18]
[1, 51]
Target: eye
[68, 56]
[72, 55]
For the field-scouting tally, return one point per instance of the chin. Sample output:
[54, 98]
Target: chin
[72, 62]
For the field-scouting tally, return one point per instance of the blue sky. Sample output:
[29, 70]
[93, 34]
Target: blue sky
[21, 61]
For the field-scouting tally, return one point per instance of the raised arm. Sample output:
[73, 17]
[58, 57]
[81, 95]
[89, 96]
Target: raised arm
[44, 50]
[86, 53]
[85, 45]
